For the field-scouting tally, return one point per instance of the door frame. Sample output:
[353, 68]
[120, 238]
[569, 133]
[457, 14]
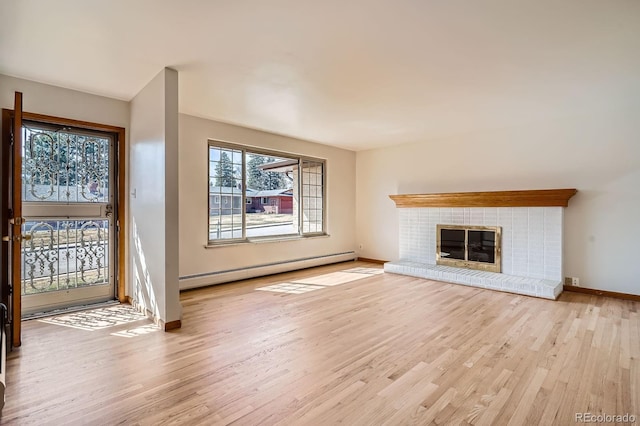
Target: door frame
[119, 176]
[5, 167]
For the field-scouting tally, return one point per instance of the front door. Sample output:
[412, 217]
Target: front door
[68, 193]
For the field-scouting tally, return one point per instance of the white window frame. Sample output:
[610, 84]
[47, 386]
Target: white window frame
[247, 149]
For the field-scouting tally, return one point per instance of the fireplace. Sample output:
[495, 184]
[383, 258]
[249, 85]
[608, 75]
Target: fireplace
[471, 247]
[526, 246]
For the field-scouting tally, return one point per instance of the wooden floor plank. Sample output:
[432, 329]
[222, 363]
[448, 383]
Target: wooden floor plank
[360, 350]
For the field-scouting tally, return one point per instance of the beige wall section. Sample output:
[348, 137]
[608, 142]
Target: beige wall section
[59, 102]
[597, 154]
[196, 259]
[153, 197]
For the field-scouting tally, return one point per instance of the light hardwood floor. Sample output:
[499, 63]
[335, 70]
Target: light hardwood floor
[384, 349]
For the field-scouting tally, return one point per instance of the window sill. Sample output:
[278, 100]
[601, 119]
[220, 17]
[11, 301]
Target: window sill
[265, 240]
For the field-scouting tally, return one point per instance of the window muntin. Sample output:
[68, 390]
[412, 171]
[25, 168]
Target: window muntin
[225, 219]
[283, 194]
[312, 197]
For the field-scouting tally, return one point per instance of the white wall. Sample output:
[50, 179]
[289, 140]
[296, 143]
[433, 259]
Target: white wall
[196, 259]
[153, 205]
[59, 102]
[598, 154]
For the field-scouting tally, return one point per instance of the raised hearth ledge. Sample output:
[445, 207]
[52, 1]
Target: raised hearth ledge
[527, 198]
[546, 289]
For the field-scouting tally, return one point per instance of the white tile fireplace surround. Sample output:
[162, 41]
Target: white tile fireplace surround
[531, 247]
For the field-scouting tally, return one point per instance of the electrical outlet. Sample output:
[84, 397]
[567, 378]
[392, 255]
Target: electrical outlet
[575, 281]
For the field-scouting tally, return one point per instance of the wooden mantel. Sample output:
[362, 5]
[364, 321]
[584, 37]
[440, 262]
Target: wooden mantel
[528, 198]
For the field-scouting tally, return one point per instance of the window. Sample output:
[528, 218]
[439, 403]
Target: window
[290, 189]
[312, 196]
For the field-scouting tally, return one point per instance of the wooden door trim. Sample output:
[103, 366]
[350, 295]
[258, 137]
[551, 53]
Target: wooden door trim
[4, 201]
[120, 177]
[16, 207]
[7, 124]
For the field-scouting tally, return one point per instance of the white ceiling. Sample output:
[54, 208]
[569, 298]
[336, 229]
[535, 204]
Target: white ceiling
[352, 73]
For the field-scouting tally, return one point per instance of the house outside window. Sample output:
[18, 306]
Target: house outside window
[284, 194]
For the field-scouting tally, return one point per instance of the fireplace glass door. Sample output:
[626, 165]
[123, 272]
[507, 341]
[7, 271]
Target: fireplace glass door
[466, 246]
[452, 243]
[481, 246]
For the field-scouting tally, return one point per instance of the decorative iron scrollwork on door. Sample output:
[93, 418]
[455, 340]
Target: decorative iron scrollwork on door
[62, 166]
[40, 165]
[91, 252]
[64, 254]
[93, 169]
[40, 259]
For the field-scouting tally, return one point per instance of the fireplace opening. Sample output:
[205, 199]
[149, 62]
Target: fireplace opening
[473, 247]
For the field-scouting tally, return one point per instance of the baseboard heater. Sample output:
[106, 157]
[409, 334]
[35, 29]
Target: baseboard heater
[219, 277]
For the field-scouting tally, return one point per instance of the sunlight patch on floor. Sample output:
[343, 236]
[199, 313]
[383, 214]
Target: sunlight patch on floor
[305, 285]
[371, 271]
[293, 288]
[334, 278]
[97, 319]
[137, 331]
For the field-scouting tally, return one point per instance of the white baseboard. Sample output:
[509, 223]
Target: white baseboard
[203, 280]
